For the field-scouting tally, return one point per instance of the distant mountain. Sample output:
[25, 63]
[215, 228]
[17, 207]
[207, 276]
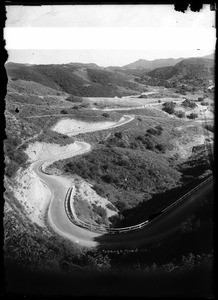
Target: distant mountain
[85, 80]
[152, 64]
[187, 68]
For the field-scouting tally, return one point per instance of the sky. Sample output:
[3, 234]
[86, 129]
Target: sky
[106, 34]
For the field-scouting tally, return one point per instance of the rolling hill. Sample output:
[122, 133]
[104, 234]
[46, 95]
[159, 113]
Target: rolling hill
[187, 68]
[90, 80]
[152, 64]
[77, 79]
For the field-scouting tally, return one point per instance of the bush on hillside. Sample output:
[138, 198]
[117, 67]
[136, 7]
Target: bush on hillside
[99, 210]
[192, 116]
[169, 107]
[99, 189]
[155, 131]
[146, 141]
[143, 96]
[106, 115]
[73, 99]
[64, 111]
[11, 168]
[161, 148]
[111, 206]
[179, 114]
[205, 103]
[118, 135]
[189, 104]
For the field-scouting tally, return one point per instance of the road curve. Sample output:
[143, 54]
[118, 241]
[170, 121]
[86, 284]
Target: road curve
[62, 225]
[56, 212]
[59, 185]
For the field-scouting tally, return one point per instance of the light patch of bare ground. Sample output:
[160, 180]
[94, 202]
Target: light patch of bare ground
[30, 191]
[73, 127]
[32, 194]
[191, 136]
[41, 150]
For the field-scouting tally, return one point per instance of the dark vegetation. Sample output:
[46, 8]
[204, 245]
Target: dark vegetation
[124, 176]
[66, 78]
[50, 136]
[192, 116]
[192, 73]
[179, 114]
[90, 213]
[149, 140]
[189, 104]
[74, 99]
[199, 162]
[169, 107]
[190, 252]
[210, 127]
[204, 103]
[17, 157]
[29, 246]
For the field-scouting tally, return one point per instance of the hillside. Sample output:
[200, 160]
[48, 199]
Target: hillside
[152, 64]
[77, 79]
[187, 68]
[210, 56]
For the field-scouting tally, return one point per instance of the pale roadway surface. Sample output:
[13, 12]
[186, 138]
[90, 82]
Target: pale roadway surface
[59, 185]
[56, 213]
[59, 221]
